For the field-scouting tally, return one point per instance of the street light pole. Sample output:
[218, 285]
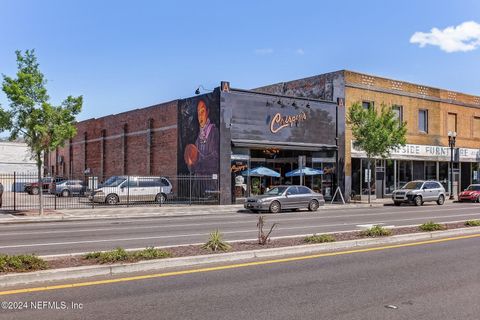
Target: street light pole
[451, 143]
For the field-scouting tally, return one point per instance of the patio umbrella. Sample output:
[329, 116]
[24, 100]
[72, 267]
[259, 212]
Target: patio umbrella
[305, 171]
[260, 172]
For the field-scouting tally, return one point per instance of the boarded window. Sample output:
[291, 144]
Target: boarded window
[476, 127]
[452, 122]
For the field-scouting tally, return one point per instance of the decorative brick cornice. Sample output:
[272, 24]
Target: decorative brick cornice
[422, 94]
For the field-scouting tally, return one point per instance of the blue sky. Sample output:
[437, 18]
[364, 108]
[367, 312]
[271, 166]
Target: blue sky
[122, 55]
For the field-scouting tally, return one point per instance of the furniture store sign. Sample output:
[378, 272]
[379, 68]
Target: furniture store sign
[425, 152]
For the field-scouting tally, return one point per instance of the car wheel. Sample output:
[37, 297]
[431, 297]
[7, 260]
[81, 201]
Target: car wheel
[161, 198]
[35, 191]
[275, 207]
[418, 201]
[65, 193]
[397, 203]
[111, 199]
[478, 199]
[441, 200]
[313, 205]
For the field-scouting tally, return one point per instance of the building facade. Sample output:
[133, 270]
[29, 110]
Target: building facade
[282, 126]
[430, 113]
[16, 157]
[218, 135]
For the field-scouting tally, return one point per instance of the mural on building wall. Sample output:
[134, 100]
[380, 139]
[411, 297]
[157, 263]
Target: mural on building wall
[199, 139]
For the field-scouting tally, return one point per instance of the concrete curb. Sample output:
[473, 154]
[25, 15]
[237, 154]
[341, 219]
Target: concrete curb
[118, 269]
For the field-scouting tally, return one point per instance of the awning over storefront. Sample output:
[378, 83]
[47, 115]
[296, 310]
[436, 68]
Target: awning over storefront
[254, 144]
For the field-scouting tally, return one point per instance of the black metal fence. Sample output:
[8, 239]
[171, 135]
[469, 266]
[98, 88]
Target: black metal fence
[21, 191]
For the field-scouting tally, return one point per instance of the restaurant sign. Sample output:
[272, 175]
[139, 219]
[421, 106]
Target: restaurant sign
[280, 121]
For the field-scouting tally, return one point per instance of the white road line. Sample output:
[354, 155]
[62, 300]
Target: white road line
[282, 219]
[236, 215]
[226, 232]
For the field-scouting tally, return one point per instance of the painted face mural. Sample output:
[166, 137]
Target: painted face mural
[200, 136]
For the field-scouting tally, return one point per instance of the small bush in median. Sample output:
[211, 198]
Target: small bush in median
[20, 263]
[151, 253]
[121, 254]
[320, 238]
[431, 226]
[376, 231]
[215, 242]
[472, 223]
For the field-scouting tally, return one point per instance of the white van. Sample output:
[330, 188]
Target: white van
[123, 189]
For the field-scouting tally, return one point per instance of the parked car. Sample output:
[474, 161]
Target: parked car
[48, 183]
[285, 197]
[418, 192]
[69, 188]
[472, 193]
[118, 189]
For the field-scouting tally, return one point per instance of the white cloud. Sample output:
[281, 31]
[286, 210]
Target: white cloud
[464, 37]
[300, 51]
[263, 51]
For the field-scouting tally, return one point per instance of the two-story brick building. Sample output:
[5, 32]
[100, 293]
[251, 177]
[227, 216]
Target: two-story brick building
[430, 114]
[277, 126]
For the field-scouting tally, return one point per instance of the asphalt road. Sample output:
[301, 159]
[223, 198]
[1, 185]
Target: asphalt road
[429, 281]
[86, 236]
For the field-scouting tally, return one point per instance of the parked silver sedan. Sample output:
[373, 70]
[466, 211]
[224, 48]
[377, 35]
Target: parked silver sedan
[285, 197]
[69, 188]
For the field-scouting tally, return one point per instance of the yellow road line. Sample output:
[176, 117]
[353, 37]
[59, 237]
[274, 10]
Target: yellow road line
[232, 266]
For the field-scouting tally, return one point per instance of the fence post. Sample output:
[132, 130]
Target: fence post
[14, 191]
[190, 184]
[128, 190]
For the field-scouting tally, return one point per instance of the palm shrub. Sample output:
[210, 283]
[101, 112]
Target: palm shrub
[216, 242]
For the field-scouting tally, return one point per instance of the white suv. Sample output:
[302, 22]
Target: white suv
[418, 192]
[124, 189]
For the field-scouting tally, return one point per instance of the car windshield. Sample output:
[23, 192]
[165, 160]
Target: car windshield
[276, 191]
[473, 188]
[413, 185]
[113, 181]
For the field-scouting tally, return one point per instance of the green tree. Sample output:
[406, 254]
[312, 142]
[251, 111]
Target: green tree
[31, 116]
[376, 133]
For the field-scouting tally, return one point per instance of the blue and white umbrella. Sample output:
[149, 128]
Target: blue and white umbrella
[260, 172]
[305, 171]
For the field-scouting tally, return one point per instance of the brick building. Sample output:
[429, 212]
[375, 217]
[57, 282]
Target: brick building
[277, 126]
[430, 114]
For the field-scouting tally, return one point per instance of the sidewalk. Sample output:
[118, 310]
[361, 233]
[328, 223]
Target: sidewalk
[150, 211]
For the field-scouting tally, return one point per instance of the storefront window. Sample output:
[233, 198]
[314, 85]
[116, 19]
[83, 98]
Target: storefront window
[404, 172]
[443, 174]
[239, 182]
[356, 176]
[418, 170]
[327, 180]
[475, 172]
[368, 176]
[389, 176]
[430, 170]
